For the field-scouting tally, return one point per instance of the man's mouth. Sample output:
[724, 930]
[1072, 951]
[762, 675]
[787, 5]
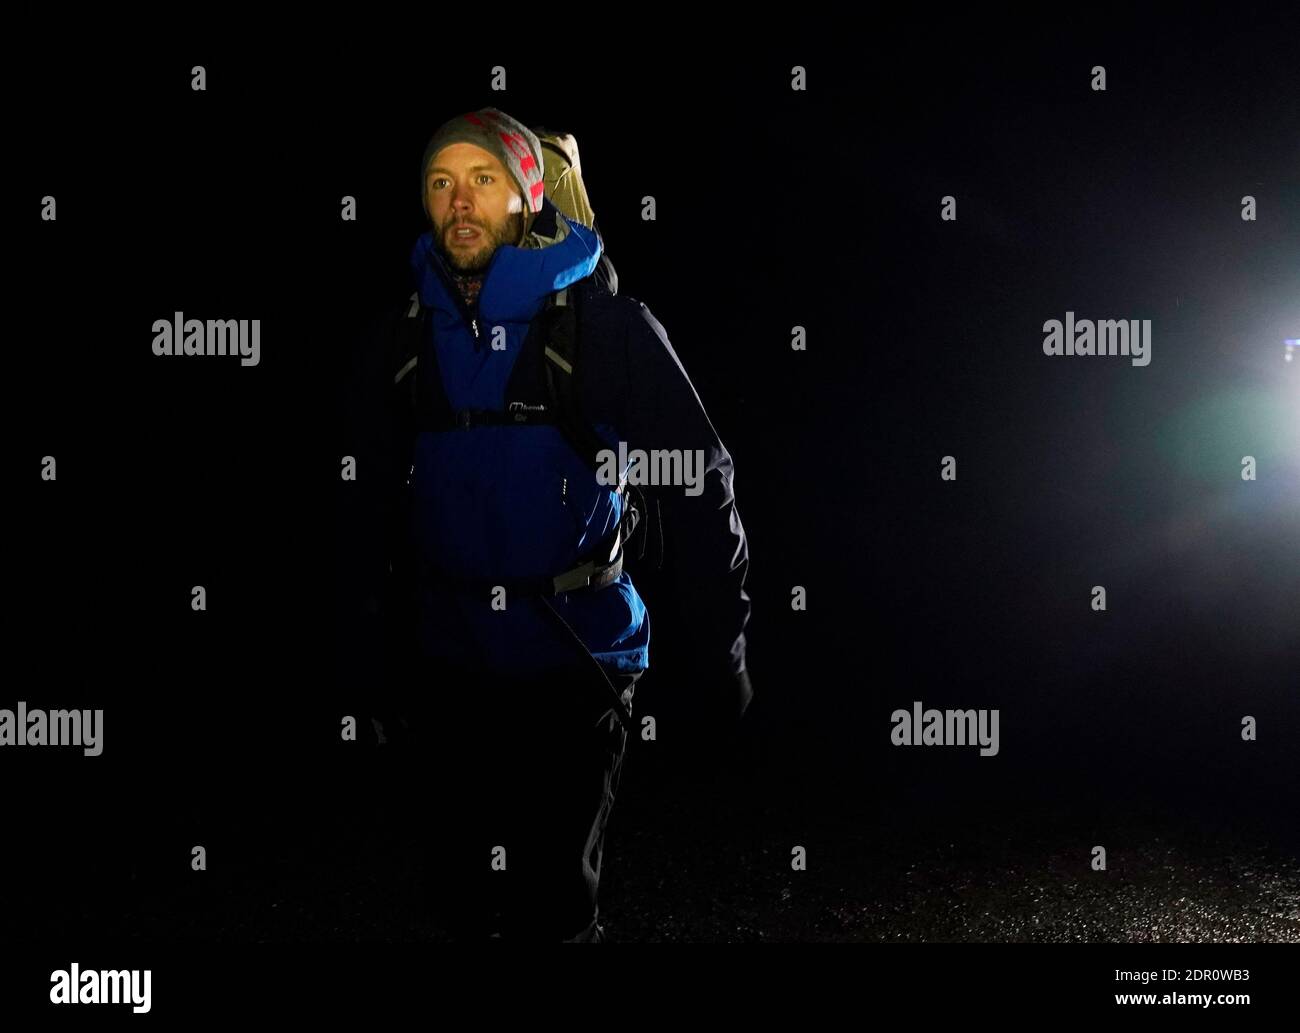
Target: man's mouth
[464, 233]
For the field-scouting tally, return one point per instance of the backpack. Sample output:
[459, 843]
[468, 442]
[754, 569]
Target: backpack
[564, 187]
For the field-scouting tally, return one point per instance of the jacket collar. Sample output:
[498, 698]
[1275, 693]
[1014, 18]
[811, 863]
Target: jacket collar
[555, 253]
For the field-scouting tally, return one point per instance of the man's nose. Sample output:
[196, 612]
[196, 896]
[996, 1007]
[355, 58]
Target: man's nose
[462, 200]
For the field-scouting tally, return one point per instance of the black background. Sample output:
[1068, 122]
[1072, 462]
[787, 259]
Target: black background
[775, 208]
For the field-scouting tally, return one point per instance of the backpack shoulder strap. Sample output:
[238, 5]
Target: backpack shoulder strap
[407, 348]
[408, 351]
[562, 355]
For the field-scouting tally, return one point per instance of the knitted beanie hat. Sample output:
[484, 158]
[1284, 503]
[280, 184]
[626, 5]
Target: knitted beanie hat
[513, 143]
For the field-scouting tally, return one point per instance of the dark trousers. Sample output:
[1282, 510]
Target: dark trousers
[515, 780]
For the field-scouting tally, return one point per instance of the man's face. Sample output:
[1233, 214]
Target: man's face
[466, 187]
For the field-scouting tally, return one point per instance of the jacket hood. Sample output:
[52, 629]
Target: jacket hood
[555, 253]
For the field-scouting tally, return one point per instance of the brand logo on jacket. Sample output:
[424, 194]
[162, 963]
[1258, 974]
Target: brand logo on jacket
[520, 410]
[181, 336]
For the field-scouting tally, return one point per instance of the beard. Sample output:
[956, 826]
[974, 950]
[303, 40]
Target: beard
[471, 262]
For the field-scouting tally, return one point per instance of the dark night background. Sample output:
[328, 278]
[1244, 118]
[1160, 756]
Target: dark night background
[775, 208]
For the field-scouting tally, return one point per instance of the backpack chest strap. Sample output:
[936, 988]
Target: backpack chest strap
[517, 414]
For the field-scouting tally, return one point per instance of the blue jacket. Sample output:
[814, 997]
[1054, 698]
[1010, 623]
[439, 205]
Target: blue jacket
[506, 501]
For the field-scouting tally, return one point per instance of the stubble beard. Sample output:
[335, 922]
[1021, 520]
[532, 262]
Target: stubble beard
[476, 262]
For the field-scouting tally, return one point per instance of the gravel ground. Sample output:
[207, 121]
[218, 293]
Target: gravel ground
[700, 857]
[1025, 879]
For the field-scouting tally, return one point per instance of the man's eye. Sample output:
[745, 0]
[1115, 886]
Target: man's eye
[482, 176]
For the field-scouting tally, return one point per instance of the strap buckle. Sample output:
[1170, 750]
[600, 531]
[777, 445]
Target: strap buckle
[578, 577]
[585, 574]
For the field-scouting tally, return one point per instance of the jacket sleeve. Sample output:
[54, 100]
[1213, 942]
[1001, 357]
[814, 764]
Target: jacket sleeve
[702, 533]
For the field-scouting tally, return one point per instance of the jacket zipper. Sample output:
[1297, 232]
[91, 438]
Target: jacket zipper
[455, 294]
[464, 312]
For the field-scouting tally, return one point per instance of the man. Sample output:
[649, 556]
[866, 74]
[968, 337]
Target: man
[512, 630]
